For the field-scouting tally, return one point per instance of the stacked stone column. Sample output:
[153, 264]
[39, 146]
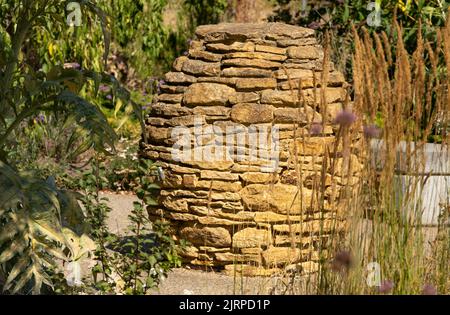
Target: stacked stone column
[241, 212]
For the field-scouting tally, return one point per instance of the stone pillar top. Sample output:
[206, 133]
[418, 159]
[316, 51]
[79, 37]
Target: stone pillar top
[248, 31]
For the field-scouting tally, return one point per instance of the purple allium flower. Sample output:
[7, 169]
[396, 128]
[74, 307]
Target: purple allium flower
[109, 97]
[316, 128]
[104, 88]
[161, 82]
[72, 65]
[40, 118]
[429, 289]
[372, 131]
[314, 25]
[345, 118]
[186, 53]
[342, 261]
[386, 286]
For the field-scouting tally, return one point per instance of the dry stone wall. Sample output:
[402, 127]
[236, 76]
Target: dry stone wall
[241, 81]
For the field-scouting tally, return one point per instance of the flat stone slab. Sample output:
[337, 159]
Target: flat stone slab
[246, 31]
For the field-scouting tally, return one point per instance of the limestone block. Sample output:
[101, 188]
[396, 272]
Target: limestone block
[204, 55]
[256, 55]
[251, 84]
[202, 68]
[207, 236]
[178, 63]
[257, 178]
[271, 49]
[305, 52]
[257, 63]
[208, 94]
[236, 46]
[251, 113]
[278, 256]
[279, 198]
[252, 237]
[179, 77]
[244, 97]
[247, 72]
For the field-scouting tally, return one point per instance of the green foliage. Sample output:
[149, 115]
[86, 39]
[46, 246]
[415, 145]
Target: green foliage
[33, 238]
[34, 214]
[137, 262]
[202, 12]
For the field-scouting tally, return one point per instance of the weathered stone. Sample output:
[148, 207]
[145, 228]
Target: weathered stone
[196, 45]
[305, 75]
[156, 121]
[157, 135]
[236, 46]
[218, 175]
[216, 165]
[202, 68]
[278, 97]
[301, 241]
[251, 250]
[309, 227]
[189, 120]
[205, 55]
[177, 205]
[212, 111]
[170, 98]
[210, 249]
[175, 89]
[278, 256]
[279, 198]
[244, 97]
[257, 63]
[270, 49]
[313, 145]
[230, 257]
[208, 220]
[280, 31]
[297, 42]
[181, 169]
[246, 31]
[257, 178]
[271, 217]
[208, 94]
[219, 185]
[189, 252]
[189, 180]
[300, 115]
[303, 268]
[292, 99]
[251, 84]
[246, 72]
[168, 110]
[249, 113]
[207, 236]
[255, 55]
[252, 237]
[305, 52]
[179, 77]
[220, 80]
[178, 63]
